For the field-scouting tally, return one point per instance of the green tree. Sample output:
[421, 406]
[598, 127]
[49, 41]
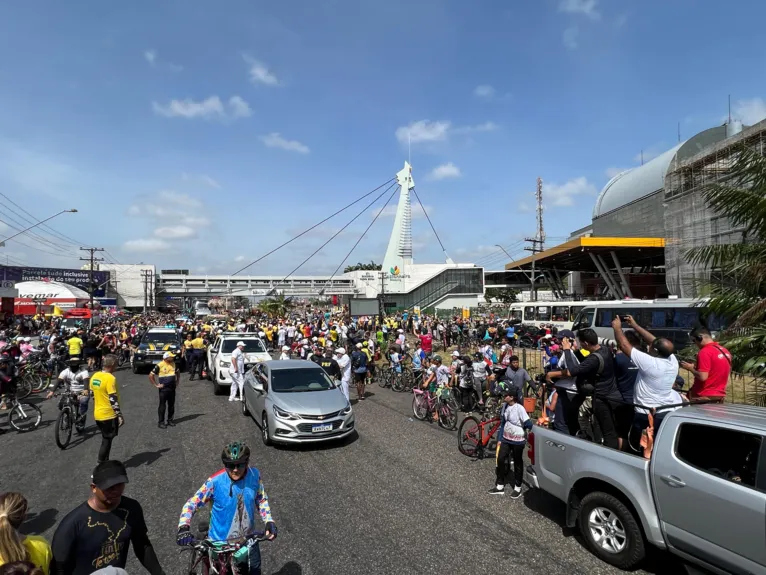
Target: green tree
[278, 305]
[502, 295]
[738, 271]
[372, 266]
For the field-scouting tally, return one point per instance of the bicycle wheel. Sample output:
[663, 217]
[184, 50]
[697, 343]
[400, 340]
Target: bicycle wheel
[64, 426]
[469, 437]
[23, 388]
[25, 417]
[447, 416]
[397, 382]
[198, 565]
[38, 383]
[384, 377]
[420, 407]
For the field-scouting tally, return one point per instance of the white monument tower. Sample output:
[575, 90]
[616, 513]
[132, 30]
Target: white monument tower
[399, 253]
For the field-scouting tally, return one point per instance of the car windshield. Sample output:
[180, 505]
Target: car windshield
[74, 322]
[161, 337]
[297, 380]
[252, 345]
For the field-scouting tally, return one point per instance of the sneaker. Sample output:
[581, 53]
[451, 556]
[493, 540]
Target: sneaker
[171, 423]
[162, 425]
[496, 491]
[516, 493]
[231, 399]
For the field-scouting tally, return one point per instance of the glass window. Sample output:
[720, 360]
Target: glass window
[516, 314]
[529, 313]
[161, 337]
[584, 319]
[661, 318]
[605, 316]
[725, 453]
[252, 345]
[298, 380]
[574, 310]
[560, 313]
[686, 318]
[543, 313]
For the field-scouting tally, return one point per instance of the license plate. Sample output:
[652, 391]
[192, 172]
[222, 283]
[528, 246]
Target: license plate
[320, 427]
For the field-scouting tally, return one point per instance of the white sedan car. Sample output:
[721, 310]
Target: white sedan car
[219, 356]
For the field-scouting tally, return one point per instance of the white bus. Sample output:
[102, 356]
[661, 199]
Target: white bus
[560, 314]
[672, 318]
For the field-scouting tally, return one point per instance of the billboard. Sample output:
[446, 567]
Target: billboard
[363, 306]
[11, 275]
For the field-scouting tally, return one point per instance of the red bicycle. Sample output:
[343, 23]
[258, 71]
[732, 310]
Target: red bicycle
[221, 557]
[476, 438]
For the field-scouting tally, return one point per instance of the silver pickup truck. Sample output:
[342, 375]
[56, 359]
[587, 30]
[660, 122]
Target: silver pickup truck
[701, 496]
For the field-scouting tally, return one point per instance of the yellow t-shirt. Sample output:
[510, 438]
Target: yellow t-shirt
[75, 345]
[103, 384]
[198, 343]
[39, 552]
[187, 343]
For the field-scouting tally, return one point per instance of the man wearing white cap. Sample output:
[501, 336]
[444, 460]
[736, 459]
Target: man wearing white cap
[344, 362]
[285, 352]
[237, 371]
[165, 377]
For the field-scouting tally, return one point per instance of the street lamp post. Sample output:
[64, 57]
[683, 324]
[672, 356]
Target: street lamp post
[2, 243]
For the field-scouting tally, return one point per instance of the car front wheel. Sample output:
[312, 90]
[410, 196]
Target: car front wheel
[265, 431]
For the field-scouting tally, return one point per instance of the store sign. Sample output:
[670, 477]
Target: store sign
[11, 275]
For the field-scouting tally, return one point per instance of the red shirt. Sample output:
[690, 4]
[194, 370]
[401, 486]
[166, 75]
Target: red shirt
[715, 360]
[426, 342]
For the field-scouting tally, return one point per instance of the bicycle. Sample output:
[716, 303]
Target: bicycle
[425, 403]
[70, 417]
[475, 436]
[30, 380]
[23, 416]
[218, 557]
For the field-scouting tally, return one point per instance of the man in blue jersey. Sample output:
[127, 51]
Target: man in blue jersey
[236, 493]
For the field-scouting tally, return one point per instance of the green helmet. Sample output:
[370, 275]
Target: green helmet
[437, 358]
[235, 452]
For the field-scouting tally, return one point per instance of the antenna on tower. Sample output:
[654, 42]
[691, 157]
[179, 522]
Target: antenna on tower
[729, 108]
[540, 229]
[538, 241]
[409, 147]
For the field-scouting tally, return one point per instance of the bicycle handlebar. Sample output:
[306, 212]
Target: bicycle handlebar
[233, 544]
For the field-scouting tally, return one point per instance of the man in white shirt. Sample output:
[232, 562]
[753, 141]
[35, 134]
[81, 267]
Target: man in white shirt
[76, 378]
[657, 371]
[237, 371]
[344, 362]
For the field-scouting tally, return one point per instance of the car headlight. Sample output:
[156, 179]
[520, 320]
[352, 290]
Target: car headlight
[282, 414]
[222, 363]
[346, 410]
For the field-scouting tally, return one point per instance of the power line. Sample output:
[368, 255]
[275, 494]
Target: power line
[303, 233]
[52, 231]
[336, 234]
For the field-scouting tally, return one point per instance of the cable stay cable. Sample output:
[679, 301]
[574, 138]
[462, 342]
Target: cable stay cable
[422, 207]
[348, 255]
[336, 234]
[303, 233]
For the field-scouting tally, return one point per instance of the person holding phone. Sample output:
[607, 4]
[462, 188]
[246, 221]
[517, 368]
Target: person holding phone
[713, 367]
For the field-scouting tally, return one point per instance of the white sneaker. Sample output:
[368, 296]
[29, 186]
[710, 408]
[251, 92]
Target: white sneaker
[231, 399]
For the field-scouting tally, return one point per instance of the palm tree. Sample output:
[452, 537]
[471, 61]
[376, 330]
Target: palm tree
[738, 290]
[278, 305]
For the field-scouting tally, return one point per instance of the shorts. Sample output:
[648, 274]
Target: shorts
[109, 427]
[360, 377]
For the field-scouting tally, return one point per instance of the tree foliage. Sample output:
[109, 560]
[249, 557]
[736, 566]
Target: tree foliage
[737, 288]
[502, 295]
[278, 305]
[372, 266]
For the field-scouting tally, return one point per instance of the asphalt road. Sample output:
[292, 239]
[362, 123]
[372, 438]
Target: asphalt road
[398, 498]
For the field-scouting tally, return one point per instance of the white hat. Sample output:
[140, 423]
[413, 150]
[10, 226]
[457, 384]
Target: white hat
[285, 348]
[241, 343]
[167, 355]
[400, 330]
[27, 339]
[315, 338]
[261, 333]
[340, 350]
[359, 345]
[455, 354]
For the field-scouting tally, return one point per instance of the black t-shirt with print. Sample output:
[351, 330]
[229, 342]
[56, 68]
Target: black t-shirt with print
[87, 540]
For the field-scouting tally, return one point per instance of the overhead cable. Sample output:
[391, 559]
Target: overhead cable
[336, 234]
[422, 207]
[61, 236]
[303, 233]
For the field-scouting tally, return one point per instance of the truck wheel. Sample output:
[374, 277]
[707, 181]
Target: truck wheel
[611, 531]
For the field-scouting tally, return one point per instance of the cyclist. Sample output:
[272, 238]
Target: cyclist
[75, 377]
[7, 381]
[236, 493]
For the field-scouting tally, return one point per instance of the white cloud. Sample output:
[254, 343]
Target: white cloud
[134, 210]
[583, 7]
[239, 108]
[180, 199]
[439, 131]
[211, 107]
[275, 140]
[444, 171]
[203, 178]
[196, 221]
[211, 182]
[239, 259]
[146, 245]
[750, 111]
[484, 91]
[563, 195]
[175, 232]
[612, 172]
[570, 37]
[260, 73]
[523, 207]
[150, 56]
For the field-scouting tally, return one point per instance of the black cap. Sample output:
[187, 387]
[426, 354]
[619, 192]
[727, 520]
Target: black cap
[566, 333]
[108, 474]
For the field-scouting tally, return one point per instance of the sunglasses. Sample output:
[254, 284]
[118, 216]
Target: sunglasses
[235, 466]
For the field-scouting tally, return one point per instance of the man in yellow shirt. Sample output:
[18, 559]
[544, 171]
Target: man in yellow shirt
[74, 344]
[198, 356]
[106, 405]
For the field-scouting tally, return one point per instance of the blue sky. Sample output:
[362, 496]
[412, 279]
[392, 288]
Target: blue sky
[200, 135]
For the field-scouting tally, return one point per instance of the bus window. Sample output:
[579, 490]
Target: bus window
[543, 313]
[686, 318]
[661, 318]
[516, 315]
[574, 310]
[529, 314]
[605, 316]
[560, 313]
[584, 319]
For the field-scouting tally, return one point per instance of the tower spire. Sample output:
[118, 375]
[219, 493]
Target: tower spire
[399, 252]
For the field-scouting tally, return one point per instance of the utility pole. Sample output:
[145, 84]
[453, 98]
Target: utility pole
[539, 240]
[93, 260]
[151, 289]
[382, 297]
[145, 281]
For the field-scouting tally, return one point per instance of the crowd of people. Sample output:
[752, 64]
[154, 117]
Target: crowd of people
[607, 392]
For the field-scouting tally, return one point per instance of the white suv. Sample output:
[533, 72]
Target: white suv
[219, 356]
